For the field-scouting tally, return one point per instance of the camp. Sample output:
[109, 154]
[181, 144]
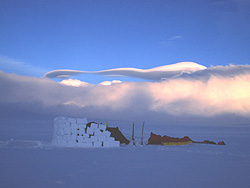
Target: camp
[77, 132]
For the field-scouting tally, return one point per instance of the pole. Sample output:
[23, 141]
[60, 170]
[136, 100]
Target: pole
[133, 133]
[107, 124]
[142, 133]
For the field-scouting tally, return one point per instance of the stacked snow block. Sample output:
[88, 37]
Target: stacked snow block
[74, 132]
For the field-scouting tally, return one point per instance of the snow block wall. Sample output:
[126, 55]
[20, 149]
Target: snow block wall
[74, 132]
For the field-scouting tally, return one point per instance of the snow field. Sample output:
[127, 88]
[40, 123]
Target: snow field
[73, 132]
[28, 159]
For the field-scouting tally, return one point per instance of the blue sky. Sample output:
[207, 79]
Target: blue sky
[97, 35]
[37, 37]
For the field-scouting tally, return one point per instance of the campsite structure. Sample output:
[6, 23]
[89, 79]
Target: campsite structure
[116, 133]
[77, 132]
[167, 140]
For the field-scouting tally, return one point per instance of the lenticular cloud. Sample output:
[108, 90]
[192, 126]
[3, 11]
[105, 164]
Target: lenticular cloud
[156, 74]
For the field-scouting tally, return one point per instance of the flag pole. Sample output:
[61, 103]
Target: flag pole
[142, 133]
[133, 133]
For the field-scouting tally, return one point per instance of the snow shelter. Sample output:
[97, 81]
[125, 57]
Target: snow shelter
[77, 132]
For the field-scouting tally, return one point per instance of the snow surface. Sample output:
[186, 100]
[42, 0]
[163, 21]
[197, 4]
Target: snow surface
[28, 158]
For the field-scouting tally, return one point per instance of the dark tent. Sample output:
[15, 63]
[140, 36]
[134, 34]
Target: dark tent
[116, 133]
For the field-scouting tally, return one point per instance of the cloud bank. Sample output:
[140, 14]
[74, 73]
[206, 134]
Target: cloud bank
[155, 74]
[217, 93]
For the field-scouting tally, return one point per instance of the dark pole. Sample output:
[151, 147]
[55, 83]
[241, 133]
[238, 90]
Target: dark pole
[142, 133]
[133, 133]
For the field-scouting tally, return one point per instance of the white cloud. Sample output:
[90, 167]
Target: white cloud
[108, 83]
[156, 74]
[218, 92]
[75, 83]
[73, 103]
[175, 37]
[79, 83]
[216, 96]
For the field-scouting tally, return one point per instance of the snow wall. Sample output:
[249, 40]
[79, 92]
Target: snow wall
[74, 132]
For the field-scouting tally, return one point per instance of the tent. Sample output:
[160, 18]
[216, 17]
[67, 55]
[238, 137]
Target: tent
[116, 133]
[167, 140]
